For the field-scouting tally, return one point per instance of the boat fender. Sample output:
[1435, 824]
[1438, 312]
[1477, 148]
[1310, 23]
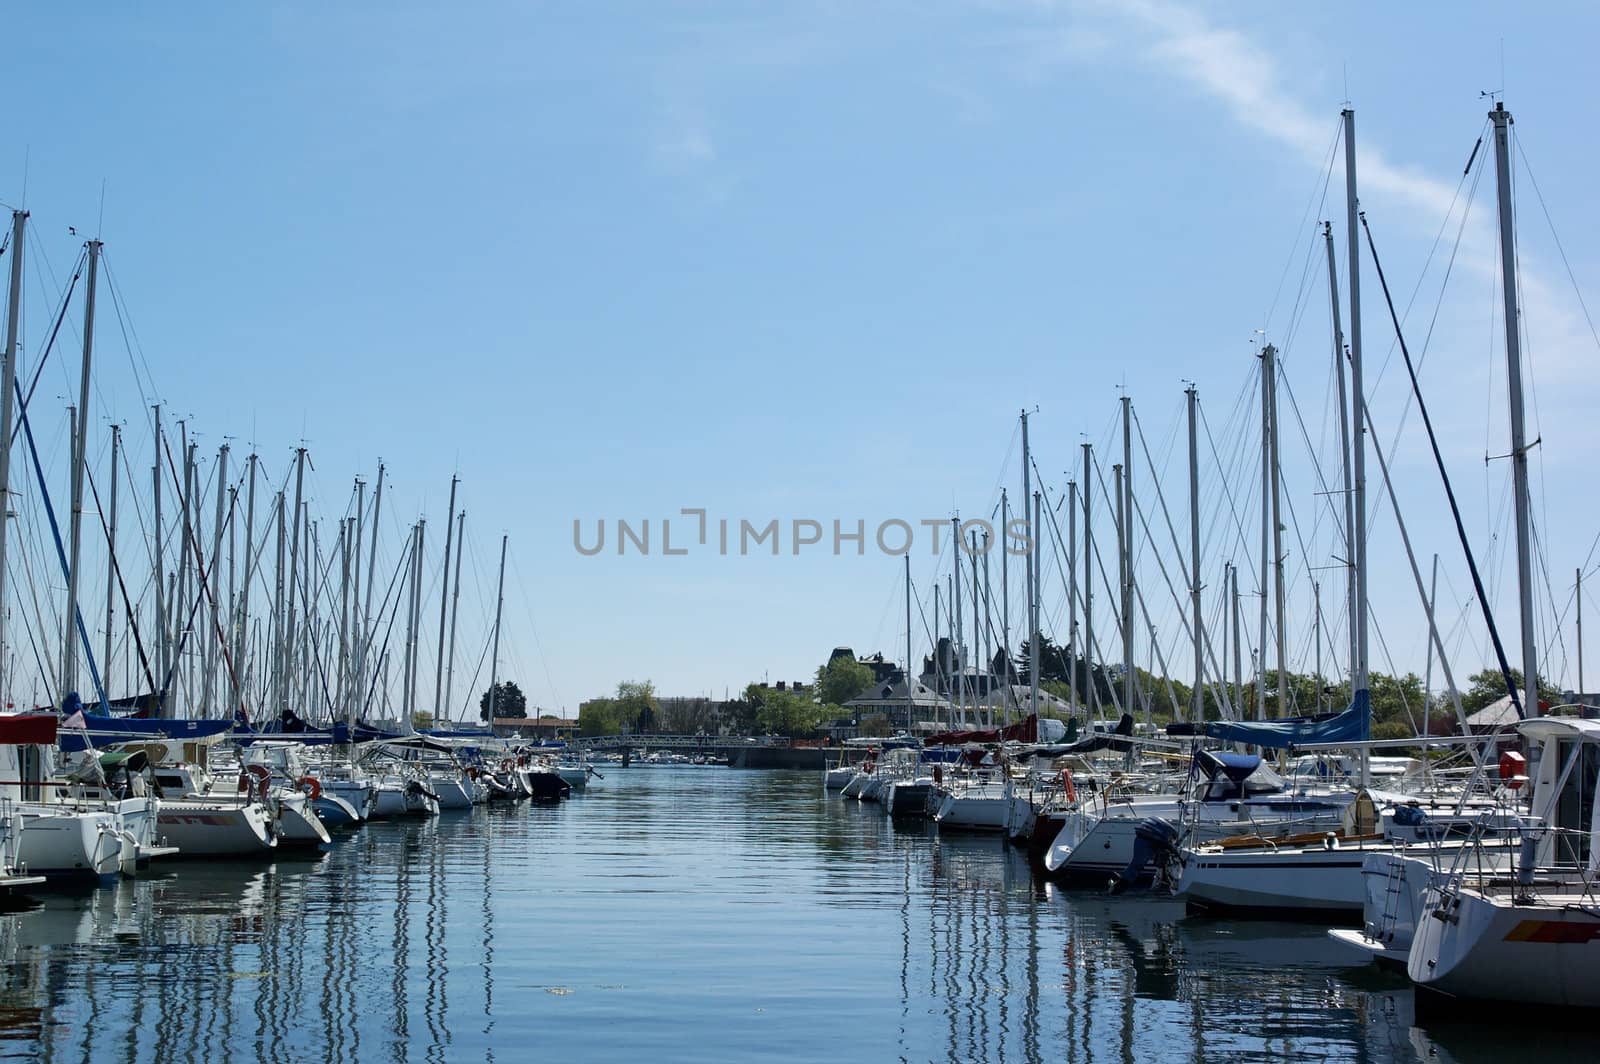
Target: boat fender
[312, 786]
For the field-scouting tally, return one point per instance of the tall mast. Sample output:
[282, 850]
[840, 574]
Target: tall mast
[1427, 672]
[444, 601]
[294, 562]
[216, 558]
[1238, 638]
[1360, 685]
[413, 614]
[1126, 502]
[347, 527]
[1093, 696]
[1005, 583]
[981, 714]
[279, 698]
[163, 648]
[1578, 593]
[358, 538]
[961, 675]
[183, 617]
[1124, 614]
[1270, 359]
[180, 596]
[1344, 447]
[1074, 651]
[242, 626]
[1197, 708]
[499, 607]
[938, 662]
[988, 630]
[1316, 618]
[455, 611]
[910, 701]
[372, 579]
[8, 386]
[1266, 524]
[111, 551]
[1033, 625]
[80, 441]
[1033, 598]
[1519, 443]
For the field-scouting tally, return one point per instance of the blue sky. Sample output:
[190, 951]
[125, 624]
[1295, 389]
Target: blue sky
[801, 261]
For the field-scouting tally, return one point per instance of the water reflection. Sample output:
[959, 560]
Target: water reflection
[681, 913]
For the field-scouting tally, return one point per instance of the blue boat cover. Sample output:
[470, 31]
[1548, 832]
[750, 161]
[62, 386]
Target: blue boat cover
[104, 730]
[1353, 725]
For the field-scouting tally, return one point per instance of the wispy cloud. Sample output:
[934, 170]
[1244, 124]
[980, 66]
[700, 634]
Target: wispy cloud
[681, 142]
[1242, 74]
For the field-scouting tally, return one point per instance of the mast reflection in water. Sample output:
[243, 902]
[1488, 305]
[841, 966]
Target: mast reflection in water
[682, 913]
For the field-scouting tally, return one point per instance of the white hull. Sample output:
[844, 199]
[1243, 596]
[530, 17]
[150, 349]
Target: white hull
[985, 807]
[69, 845]
[835, 778]
[388, 800]
[577, 776]
[454, 792]
[1304, 880]
[202, 827]
[1493, 949]
[298, 823]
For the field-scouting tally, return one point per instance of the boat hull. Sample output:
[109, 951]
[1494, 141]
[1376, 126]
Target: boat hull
[214, 829]
[70, 847]
[1495, 950]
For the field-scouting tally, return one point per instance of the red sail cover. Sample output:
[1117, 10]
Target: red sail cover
[1025, 730]
[28, 729]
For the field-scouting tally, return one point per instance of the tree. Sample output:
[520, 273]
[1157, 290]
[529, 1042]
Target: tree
[599, 716]
[789, 714]
[422, 720]
[637, 705]
[508, 701]
[1490, 686]
[842, 679]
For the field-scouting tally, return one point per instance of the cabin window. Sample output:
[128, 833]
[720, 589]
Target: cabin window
[1575, 807]
[32, 764]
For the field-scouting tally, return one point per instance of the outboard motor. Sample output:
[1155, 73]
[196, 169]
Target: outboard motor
[1155, 839]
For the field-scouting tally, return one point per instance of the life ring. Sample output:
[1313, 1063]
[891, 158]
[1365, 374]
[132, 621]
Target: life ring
[1067, 786]
[263, 780]
[311, 786]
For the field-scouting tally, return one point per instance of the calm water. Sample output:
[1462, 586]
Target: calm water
[681, 914]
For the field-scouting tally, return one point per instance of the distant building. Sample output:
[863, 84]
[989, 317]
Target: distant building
[535, 728]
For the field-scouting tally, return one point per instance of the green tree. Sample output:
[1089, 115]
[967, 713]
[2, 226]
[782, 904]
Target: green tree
[842, 679]
[790, 714]
[637, 705]
[1490, 686]
[508, 700]
[599, 716]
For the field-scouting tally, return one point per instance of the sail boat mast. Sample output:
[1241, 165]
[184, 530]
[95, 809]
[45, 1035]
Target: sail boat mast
[499, 607]
[69, 643]
[1519, 442]
[1359, 683]
[8, 387]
